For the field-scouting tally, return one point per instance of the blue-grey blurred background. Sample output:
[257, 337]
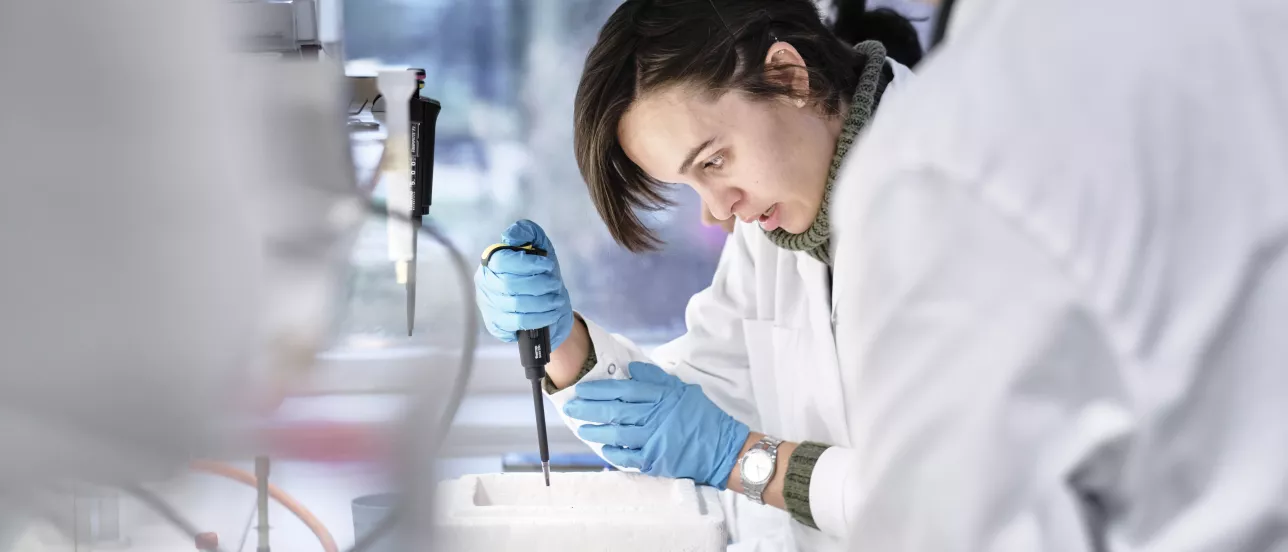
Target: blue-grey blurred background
[506, 72]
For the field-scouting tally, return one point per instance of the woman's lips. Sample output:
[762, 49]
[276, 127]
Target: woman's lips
[769, 220]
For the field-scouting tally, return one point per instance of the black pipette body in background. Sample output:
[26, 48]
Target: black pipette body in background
[424, 119]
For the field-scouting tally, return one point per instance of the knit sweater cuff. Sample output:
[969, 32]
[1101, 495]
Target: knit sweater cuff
[586, 367]
[800, 467]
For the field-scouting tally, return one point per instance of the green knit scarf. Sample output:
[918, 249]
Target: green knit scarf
[816, 240]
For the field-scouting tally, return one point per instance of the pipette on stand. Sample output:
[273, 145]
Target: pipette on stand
[534, 354]
[424, 117]
[396, 164]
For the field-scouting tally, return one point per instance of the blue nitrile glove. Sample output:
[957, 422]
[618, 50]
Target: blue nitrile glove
[521, 291]
[659, 424]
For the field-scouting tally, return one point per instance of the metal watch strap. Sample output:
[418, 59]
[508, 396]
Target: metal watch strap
[757, 492]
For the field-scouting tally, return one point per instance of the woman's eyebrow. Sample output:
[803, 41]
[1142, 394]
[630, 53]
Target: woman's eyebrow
[693, 155]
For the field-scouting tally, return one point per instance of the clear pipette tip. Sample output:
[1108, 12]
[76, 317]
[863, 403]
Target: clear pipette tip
[545, 468]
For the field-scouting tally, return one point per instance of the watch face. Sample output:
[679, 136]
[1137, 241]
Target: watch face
[757, 467]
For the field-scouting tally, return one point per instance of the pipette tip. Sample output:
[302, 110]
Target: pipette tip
[545, 468]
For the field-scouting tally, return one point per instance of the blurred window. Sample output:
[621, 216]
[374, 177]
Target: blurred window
[506, 72]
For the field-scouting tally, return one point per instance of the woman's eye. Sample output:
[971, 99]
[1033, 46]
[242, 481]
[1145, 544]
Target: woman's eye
[714, 163]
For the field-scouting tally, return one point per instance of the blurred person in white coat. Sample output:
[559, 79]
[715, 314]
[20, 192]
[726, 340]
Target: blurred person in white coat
[1063, 324]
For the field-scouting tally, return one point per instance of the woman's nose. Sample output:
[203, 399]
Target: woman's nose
[710, 220]
[720, 202]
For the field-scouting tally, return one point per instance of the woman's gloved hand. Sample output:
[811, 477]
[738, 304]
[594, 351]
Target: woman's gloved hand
[521, 291]
[659, 424]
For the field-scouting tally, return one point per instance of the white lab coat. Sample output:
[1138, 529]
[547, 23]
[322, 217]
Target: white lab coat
[1062, 286]
[760, 344]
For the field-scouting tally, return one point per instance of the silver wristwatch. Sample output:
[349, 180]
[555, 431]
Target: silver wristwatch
[757, 466]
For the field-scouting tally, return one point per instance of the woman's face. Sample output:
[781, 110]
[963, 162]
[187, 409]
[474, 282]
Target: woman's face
[758, 160]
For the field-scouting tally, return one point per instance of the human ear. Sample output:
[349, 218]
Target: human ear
[785, 66]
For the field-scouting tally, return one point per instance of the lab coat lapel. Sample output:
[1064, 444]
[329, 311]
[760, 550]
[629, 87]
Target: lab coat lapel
[820, 351]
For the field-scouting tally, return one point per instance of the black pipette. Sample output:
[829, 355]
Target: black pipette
[534, 354]
[424, 118]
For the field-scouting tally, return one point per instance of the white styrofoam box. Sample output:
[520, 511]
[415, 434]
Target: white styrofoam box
[616, 511]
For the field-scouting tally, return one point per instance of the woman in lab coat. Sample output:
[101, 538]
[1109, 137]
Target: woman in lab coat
[754, 104]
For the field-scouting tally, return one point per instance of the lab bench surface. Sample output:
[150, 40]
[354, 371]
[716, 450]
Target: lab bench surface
[486, 424]
[214, 504]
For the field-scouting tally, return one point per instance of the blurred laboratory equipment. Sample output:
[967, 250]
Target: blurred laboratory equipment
[282, 26]
[174, 244]
[619, 511]
[397, 89]
[507, 71]
[96, 517]
[423, 118]
[119, 365]
[369, 513]
[406, 166]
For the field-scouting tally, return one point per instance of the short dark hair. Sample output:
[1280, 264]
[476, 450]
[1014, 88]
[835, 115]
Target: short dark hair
[715, 45]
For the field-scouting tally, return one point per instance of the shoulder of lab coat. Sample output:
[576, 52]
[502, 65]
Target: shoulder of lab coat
[984, 386]
[711, 353]
[1023, 271]
[948, 311]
